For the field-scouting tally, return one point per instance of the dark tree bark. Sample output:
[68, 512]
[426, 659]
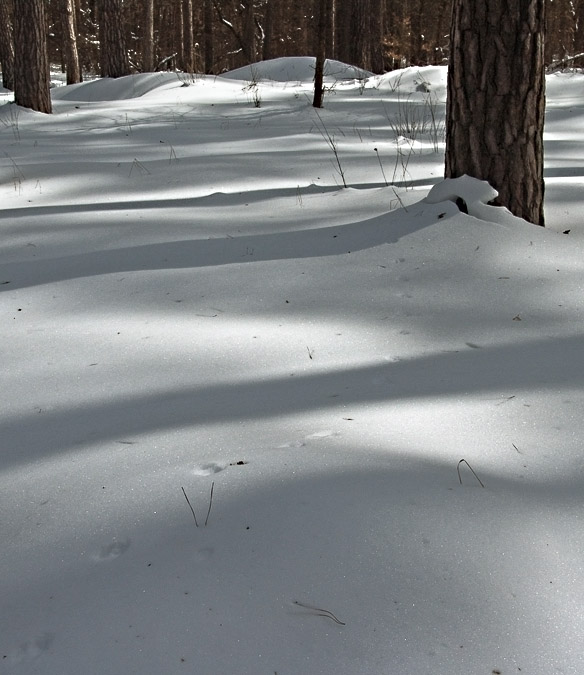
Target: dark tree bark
[70, 53]
[188, 41]
[331, 21]
[113, 54]
[268, 30]
[376, 34]
[249, 32]
[31, 62]
[579, 33]
[360, 39]
[148, 37]
[209, 36]
[320, 55]
[6, 45]
[496, 100]
[343, 31]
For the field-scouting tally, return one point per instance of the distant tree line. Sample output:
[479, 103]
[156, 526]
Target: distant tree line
[116, 37]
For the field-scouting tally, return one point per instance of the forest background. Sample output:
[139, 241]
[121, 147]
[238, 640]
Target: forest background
[213, 36]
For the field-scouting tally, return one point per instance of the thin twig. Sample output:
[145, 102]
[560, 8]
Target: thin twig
[192, 509]
[320, 612]
[381, 166]
[210, 503]
[330, 141]
[470, 467]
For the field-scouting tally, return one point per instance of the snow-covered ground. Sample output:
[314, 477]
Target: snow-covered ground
[194, 308]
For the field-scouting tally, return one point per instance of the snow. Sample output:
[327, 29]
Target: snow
[190, 301]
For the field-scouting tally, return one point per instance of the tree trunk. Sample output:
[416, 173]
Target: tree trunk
[343, 31]
[320, 55]
[6, 45]
[209, 37]
[376, 35]
[188, 42]
[31, 62]
[496, 100]
[268, 30]
[249, 32]
[331, 22]
[71, 56]
[113, 56]
[148, 37]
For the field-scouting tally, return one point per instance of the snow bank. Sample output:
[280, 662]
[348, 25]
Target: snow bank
[118, 89]
[477, 195]
[426, 80]
[296, 69]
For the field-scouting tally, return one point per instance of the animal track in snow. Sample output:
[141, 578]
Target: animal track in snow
[208, 469]
[31, 649]
[317, 435]
[204, 554]
[292, 444]
[113, 550]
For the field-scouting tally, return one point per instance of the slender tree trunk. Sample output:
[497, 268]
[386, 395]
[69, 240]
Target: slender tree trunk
[268, 30]
[331, 22]
[249, 32]
[376, 34]
[148, 37]
[31, 62]
[6, 45]
[188, 42]
[209, 36]
[113, 56]
[320, 55]
[496, 100]
[70, 42]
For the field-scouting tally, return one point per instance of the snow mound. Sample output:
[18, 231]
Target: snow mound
[296, 69]
[115, 89]
[476, 194]
[426, 80]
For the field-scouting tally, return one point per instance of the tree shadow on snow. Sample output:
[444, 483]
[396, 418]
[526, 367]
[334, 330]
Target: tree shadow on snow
[191, 254]
[549, 364]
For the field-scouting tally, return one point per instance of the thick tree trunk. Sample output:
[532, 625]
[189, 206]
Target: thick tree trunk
[31, 62]
[6, 45]
[71, 56]
[496, 100]
[113, 57]
[360, 34]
